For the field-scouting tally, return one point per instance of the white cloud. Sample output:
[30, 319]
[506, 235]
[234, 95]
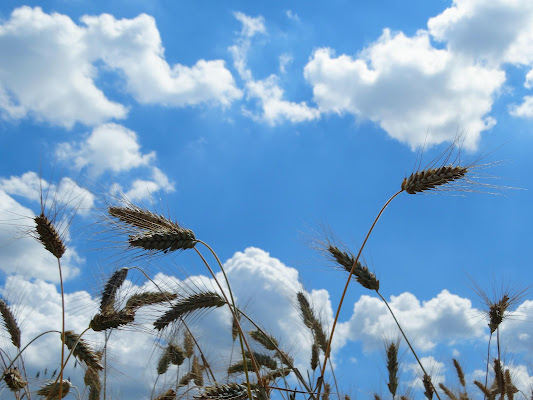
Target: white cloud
[48, 68]
[45, 71]
[292, 15]
[134, 47]
[284, 61]
[434, 368]
[524, 110]
[442, 319]
[496, 32]
[142, 188]
[274, 109]
[408, 87]
[250, 26]
[109, 147]
[66, 195]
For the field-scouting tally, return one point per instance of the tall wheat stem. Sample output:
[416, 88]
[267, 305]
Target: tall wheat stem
[328, 348]
[62, 329]
[234, 311]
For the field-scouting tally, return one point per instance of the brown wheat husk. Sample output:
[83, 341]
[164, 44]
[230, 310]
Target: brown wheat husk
[392, 367]
[460, 373]
[432, 178]
[267, 341]
[10, 323]
[183, 307]
[48, 236]
[149, 298]
[448, 392]
[111, 319]
[110, 289]
[170, 394]
[233, 391]
[14, 380]
[51, 390]
[82, 351]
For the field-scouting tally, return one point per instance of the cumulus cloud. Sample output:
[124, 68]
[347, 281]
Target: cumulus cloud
[45, 71]
[49, 67]
[270, 96]
[108, 147]
[141, 189]
[442, 319]
[408, 87]
[64, 195]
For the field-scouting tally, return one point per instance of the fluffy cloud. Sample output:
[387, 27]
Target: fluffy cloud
[141, 189]
[442, 319]
[48, 68]
[268, 93]
[109, 147]
[62, 196]
[408, 87]
[45, 71]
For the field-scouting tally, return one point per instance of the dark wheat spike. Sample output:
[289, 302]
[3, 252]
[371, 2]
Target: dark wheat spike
[13, 379]
[510, 389]
[432, 178]
[141, 218]
[362, 274]
[267, 341]
[176, 354]
[376, 397]
[277, 373]
[51, 390]
[110, 290]
[263, 359]
[497, 313]
[460, 373]
[314, 355]
[428, 386]
[168, 395]
[483, 388]
[307, 313]
[188, 305]
[108, 320]
[498, 376]
[164, 241]
[48, 236]
[448, 392]
[92, 380]
[197, 370]
[149, 298]
[164, 363]
[231, 391]
[392, 367]
[82, 351]
[10, 323]
[188, 344]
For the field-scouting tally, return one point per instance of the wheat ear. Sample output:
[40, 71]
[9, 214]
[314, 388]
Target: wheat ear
[110, 289]
[92, 380]
[10, 323]
[188, 305]
[432, 178]
[392, 367]
[82, 351]
[48, 236]
[14, 380]
[51, 390]
[149, 298]
[233, 391]
[108, 320]
[447, 392]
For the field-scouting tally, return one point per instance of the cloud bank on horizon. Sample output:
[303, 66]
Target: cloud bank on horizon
[443, 78]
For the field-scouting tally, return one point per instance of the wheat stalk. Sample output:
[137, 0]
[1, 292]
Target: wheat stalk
[10, 323]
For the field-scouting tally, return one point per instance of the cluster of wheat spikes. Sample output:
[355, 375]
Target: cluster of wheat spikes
[261, 367]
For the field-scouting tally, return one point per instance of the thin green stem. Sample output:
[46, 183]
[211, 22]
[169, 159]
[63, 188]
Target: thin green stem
[328, 348]
[407, 341]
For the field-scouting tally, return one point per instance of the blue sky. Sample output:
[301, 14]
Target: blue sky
[257, 125]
